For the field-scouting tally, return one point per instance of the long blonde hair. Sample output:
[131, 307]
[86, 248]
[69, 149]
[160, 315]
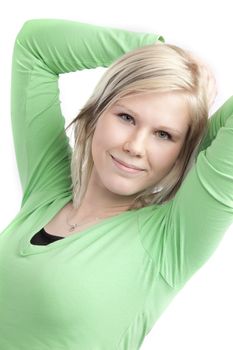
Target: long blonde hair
[159, 67]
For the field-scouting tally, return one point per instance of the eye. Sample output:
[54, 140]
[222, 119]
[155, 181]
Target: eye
[164, 132]
[127, 116]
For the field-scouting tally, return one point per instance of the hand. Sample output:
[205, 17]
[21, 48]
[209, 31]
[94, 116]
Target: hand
[208, 79]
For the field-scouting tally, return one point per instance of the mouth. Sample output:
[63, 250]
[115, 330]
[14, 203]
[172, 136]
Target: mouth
[124, 166]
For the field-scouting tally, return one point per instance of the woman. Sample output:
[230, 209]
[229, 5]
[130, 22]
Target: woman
[110, 232]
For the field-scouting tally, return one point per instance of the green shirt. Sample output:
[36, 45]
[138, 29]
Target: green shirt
[105, 287]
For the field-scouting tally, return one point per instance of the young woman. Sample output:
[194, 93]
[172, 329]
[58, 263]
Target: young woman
[109, 232]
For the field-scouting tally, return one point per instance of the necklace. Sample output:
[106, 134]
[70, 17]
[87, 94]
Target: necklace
[73, 226]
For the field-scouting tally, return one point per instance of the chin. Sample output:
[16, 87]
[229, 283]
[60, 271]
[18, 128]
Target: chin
[122, 190]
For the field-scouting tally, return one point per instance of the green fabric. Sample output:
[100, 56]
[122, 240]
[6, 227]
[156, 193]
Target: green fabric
[103, 288]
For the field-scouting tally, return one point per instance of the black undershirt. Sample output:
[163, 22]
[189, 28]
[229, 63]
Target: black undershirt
[44, 238]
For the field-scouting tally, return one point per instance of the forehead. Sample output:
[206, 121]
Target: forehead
[168, 109]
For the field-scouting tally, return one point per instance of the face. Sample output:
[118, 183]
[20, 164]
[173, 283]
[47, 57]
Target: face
[145, 132]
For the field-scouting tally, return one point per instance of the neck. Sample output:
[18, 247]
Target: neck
[98, 201]
[87, 210]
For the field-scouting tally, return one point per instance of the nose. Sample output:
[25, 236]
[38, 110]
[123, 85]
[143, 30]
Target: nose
[135, 146]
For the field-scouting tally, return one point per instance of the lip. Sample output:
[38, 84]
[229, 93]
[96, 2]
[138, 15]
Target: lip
[122, 165]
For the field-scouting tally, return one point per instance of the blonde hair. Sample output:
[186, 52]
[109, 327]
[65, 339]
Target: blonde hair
[159, 67]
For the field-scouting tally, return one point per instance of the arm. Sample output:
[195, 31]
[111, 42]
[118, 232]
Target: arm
[45, 48]
[192, 224]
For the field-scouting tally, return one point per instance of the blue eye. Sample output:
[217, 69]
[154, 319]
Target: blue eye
[168, 135]
[129, 118]
[127, 115]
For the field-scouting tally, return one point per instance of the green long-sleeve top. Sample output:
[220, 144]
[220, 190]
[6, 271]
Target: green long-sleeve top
[105, 287]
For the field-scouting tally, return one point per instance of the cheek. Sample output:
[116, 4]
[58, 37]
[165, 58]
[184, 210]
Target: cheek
[107, 135]
[101, 144]
[96, 146]
[163, 159]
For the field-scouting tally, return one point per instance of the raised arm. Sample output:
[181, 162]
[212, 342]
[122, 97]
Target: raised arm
[181, 235]
[45, 48]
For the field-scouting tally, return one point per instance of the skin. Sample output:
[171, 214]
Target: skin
[208, 77]
[135, 139]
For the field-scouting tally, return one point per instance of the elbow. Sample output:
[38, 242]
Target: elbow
[27, 30]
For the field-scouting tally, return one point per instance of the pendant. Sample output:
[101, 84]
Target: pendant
[72, 228]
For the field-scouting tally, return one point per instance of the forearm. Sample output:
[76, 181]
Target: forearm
[221, 118]
[66, 46]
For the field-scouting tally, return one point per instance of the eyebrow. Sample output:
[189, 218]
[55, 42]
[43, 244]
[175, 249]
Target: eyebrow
[161, 126]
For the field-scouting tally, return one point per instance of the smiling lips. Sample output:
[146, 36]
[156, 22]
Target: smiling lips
[126, 166]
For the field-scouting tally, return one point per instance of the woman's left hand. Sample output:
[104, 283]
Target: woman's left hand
[208, 79]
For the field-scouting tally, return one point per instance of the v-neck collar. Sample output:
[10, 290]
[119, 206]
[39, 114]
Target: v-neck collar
[27, 248]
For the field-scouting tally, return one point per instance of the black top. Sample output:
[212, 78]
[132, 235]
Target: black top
[44, 238]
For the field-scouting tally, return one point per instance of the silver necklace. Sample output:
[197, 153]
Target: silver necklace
[73, 226]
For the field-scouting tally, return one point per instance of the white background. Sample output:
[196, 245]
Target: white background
[200, 317]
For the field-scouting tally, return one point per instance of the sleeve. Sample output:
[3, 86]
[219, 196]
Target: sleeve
[192, 224]
[45, 48]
